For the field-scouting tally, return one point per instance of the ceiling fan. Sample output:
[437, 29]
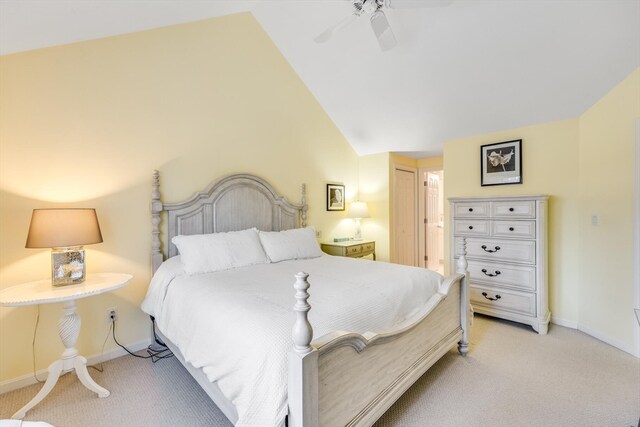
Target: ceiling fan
[374, 10]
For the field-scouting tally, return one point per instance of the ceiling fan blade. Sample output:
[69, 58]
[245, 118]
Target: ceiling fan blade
[406, 4]
[382, 30]
[328, 33]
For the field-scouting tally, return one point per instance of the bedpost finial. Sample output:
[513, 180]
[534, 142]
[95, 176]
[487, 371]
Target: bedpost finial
[303, 211]
[155, 185]
[302, 330]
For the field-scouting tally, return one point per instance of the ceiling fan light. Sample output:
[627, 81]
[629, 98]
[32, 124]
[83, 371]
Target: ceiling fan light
[370, 6]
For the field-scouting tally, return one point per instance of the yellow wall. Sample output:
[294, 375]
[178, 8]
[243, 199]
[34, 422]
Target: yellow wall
[374, 189]
[431, 163]
[586, 166]
[606, 189]
[85, 125]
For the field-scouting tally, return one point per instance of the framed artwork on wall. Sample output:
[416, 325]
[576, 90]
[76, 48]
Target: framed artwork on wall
[501, 163]
[335, 197]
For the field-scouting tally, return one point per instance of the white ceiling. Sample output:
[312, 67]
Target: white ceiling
[469, 68]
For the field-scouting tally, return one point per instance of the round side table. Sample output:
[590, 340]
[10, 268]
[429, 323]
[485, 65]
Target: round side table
[42, 292]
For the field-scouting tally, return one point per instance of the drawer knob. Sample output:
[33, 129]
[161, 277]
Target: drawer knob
[484, 294]
[497, 272]
[497, 248]
[511, 209]
[511, 228]
[470, 209]
[471, 227]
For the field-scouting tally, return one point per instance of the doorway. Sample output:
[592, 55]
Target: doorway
[432, 220]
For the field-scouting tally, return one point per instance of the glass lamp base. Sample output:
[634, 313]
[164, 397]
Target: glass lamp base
[358, 233]
[67, 266]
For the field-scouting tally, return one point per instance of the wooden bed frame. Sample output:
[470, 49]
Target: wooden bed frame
[342, 378]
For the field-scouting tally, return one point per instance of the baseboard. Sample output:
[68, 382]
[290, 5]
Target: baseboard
[627, 348]
[563, 322]
[597, 335]
[28, 379]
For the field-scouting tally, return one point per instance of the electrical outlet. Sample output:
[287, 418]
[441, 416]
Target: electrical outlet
[112, 314]
[318, 233]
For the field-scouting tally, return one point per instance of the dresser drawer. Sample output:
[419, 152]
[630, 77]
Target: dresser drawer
[471, 210]
[513, 209]
[522, 229]
[498, 250]
[522, 277]
[508, 300]
[471, 227]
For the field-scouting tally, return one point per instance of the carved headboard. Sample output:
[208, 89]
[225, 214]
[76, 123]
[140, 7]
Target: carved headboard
[236, 202]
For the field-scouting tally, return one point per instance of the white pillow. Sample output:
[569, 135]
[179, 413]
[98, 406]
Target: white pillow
[297, 243]
[206, 253]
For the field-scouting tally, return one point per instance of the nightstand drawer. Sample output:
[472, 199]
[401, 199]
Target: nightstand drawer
[350, 249]
[521, 229]
[514, 301]
[471, 227]
[354, 250]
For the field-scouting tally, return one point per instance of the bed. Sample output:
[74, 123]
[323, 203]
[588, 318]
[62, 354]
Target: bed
[246, 332]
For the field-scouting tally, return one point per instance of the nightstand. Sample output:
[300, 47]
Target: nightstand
[351, 248]
[41, 292]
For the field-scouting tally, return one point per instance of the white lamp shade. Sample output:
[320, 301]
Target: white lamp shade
[57, 228]
[358, 210]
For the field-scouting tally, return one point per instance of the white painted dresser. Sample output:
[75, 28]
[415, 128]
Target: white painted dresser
[506, 244]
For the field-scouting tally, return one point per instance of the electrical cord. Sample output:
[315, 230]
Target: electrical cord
[33, 345]
[152, 353]
[101, 368]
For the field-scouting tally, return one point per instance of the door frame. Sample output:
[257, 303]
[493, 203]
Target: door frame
[636, 237]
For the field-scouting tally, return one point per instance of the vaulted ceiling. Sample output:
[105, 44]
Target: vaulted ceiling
[472, 67]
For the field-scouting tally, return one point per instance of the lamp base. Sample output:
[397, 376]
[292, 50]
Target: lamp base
[358, 233]
[67, 266]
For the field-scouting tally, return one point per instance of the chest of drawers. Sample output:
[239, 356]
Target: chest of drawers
[506, 249]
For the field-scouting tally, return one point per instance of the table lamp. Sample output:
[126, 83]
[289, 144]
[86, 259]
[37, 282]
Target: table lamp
[357, 211]
[65, 231]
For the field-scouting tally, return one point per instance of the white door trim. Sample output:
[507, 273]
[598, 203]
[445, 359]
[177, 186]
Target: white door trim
[422, 214]
[636, 237]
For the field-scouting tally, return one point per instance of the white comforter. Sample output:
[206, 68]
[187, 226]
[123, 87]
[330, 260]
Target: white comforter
[236, 324]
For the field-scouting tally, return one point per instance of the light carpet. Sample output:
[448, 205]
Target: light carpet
[511, 377]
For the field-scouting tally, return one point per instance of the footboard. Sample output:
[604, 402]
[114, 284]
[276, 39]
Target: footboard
[349, 379]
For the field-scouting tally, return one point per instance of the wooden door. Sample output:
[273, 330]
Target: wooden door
[405, 211]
